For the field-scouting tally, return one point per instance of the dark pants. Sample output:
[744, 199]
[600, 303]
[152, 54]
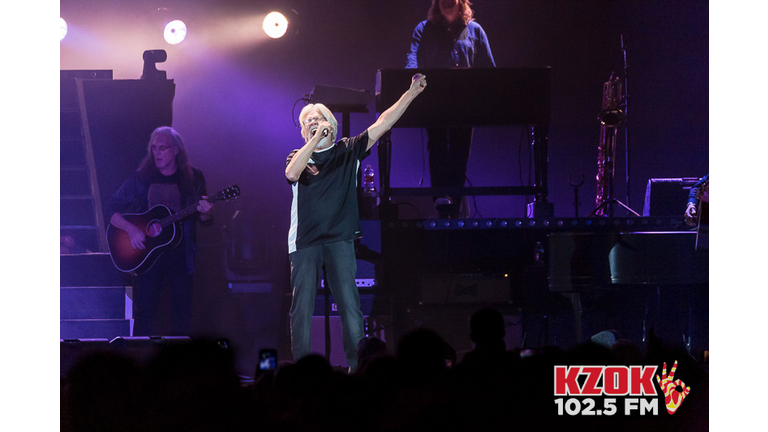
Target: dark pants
[167, 276]
[448, 156]
[338, 259]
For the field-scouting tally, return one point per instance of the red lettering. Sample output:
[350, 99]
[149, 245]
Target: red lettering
[616, 380]
[565, 380]
[593, 377]
[641, 380]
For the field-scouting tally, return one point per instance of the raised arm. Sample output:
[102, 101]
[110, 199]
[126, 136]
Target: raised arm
[300, 159]
[388, 118]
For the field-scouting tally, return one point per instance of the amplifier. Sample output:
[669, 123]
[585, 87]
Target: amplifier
[366, 305]
[465, 288]
[667, 196]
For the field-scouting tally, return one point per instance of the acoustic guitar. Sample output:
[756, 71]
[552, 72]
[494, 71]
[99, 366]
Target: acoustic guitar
[163, 232]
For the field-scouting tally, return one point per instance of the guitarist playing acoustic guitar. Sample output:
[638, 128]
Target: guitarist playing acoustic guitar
[166, 180]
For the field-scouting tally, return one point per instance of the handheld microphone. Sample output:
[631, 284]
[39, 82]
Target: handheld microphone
[323, 134]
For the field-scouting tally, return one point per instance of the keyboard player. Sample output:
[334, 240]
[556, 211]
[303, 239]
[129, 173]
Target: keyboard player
[449, 38]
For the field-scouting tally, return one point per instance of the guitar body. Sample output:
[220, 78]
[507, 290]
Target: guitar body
[157, 240]
[130, 260]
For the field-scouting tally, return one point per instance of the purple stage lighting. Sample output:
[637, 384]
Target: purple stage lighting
[175, 32]
[62, 29]
[275, 25]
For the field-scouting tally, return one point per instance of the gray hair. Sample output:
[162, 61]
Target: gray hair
[325, 112]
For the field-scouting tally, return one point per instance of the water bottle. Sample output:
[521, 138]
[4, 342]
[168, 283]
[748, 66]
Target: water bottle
[369, 179]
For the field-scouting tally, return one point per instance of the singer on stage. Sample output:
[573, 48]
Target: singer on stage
[325, 220]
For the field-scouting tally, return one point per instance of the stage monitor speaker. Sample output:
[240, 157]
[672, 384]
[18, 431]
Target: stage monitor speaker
[667, 196]
[465, 288]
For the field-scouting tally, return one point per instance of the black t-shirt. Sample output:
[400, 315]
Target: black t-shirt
[165, 190]
[324, 207]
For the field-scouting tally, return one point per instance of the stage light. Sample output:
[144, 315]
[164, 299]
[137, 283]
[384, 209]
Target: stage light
[275, 25]
[175, 32]
[150, 71]
[62, 29]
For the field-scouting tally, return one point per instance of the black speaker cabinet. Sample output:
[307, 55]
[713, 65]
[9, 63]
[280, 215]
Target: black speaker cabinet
[667, 196]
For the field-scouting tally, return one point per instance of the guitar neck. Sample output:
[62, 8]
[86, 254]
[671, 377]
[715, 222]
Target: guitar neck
[181, 214]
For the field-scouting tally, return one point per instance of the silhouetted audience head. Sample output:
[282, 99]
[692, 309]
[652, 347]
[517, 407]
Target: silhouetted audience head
[307, 378]
[590, 353]
[627, 352]
[605, 338]
[314, 369]
[487, 328]
[192, 386]
[370, 347]
[422, 355]
[101, 393]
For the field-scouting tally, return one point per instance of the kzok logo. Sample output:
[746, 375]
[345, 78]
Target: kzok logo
[673, 397]
[616, 381]
[633, 383]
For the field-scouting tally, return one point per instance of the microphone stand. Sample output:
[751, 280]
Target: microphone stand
[576, 193]
[626, 133]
